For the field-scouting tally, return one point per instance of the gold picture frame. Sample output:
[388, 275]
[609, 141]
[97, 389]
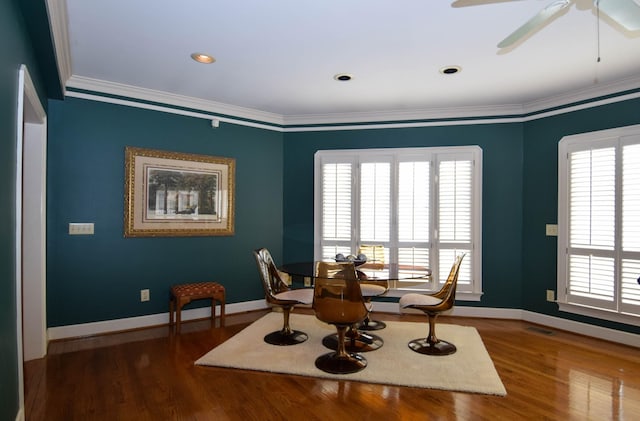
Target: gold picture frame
[172, 194]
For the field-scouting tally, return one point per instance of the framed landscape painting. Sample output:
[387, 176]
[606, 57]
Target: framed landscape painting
[172, 194]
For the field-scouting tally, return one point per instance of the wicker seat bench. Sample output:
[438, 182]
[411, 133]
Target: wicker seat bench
[182, 294]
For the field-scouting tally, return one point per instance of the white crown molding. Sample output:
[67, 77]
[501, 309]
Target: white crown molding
[400, 125]
[516, 110]
[364, 120]
[168, 109]
[404, 115]
[134, 92]
[596, 91]
[57, 11]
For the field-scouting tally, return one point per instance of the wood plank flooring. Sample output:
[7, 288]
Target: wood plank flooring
[148, 374]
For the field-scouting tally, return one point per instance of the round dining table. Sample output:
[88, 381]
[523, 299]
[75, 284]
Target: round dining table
[370, 271]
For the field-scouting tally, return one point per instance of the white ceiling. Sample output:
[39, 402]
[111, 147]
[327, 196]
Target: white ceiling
[279, 56]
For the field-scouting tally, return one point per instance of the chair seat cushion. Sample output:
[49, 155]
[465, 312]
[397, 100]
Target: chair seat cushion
[414, 299]
[303, 295]
[370, 290]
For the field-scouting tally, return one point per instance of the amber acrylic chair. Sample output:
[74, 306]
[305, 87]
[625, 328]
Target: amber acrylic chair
[358, 337]
[337, 300]
[371, 288]
[432, 305]
[279, 294]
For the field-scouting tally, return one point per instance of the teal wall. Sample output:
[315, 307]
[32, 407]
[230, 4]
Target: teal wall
[99, 277]
[502, 193]
[93, 278]
[540, 197]
[15, 49]
[520, 167]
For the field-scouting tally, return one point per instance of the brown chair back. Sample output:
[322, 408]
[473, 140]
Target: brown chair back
[337, 297]
[448, 291]
[271, 280]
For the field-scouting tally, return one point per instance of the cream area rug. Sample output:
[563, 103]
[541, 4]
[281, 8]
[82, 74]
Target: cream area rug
[470, 369]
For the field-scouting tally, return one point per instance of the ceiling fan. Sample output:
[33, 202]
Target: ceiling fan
[625, 12]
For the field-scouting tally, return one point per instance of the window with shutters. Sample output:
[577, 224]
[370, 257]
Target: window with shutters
[599, 224]
[419, 206]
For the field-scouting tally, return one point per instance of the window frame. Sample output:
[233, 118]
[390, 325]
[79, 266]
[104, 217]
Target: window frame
[396, 155]
[617, 138]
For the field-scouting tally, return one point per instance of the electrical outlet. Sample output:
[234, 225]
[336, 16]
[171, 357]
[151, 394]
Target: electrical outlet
[307, 281]
[551, 295]
[144, 295]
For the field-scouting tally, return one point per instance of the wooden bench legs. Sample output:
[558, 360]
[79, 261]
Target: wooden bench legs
[185, 293]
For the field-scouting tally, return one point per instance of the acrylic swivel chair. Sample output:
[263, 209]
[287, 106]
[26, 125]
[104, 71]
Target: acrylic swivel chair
[358, 337]
[370, 288]
[432, 305]
[278, 294]
[337, 300]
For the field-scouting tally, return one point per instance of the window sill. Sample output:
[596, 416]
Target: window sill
[597, 313]
[460, 295]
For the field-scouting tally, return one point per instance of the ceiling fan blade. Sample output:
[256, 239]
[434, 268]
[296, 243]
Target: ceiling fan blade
[466, 3]
[625, 12]
[535, 22]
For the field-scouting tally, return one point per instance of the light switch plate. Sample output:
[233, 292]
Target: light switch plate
[76, 228]
[552, 230]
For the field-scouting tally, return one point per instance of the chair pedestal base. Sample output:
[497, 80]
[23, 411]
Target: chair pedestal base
[358, 342]
[423, 346]
[372, 325]
[281, 338]
[336, 364]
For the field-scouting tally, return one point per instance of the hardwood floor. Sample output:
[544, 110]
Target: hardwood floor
[149, 374]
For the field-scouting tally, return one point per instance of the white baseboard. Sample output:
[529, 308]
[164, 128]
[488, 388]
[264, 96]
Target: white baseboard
[586, 329]
[87, 329]
[107, 326]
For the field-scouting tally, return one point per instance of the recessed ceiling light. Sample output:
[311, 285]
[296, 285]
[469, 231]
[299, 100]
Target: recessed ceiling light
[203, 58]
[450, 70]
[343, 77]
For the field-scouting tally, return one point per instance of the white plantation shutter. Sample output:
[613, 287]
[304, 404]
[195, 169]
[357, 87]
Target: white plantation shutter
[455, 201]
[599, 225]
[375, 201]
[413, 201]
[592, 203]
[630, 286]
[336, 208]
[630, 268]
[592, 198]
[391, 198]
[591, 277]
[455, 207]
[414, 213]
